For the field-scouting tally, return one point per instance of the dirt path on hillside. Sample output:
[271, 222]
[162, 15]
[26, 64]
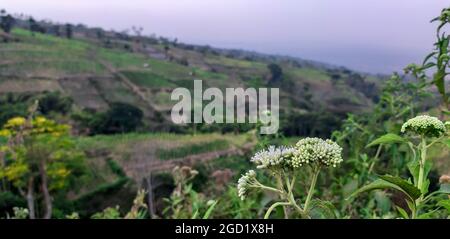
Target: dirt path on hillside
[92, 54]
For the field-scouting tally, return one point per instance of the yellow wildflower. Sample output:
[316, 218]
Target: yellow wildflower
[15, 122]
[5, 133]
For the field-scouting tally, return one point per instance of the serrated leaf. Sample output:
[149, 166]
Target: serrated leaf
[377, 184]
[407, 187]
[387, 139]
[403, 186]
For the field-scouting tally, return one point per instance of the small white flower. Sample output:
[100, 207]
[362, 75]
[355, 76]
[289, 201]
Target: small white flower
[245, 182]
[272, 156]
[316, 150]
[424, 125]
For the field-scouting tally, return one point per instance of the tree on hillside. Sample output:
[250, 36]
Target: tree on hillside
[12, 105]
[34, 26]
[120, 118]
[56, 30]
[138, 41]
[69, 31]
[55, 102]
[166, 51]
[38, 159]
[276, 73]
[6, 21]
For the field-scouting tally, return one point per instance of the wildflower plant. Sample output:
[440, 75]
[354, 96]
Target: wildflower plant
[185, 202]
[419, 133]
[36, 152]
[283, 164]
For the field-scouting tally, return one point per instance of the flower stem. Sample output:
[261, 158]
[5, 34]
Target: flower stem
[422, 162]
[311, 188]
[413, 213]
[423, 158]
[375, 159]
[269, 211]
[283, 194]
[268, 188]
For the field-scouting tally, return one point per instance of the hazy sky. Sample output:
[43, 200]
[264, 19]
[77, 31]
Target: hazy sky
[366, 35]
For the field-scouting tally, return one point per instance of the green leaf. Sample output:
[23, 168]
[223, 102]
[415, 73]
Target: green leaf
[391, 182]
[387, 139]
[383, 201]
[445, 204]
[322, 209]
[428, 215]
[428, 57]
[428, 65]
[195, 215]
[350, 187]
[414, 168]
[411, 205]
[439, 82]
[210, 209]
[377, 184]
[407, 187]
[402, 212]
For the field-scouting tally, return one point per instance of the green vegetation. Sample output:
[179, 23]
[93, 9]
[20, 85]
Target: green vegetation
[39, 155]
[148, 79]
[83, 148]
[38, 62]
[193, 149]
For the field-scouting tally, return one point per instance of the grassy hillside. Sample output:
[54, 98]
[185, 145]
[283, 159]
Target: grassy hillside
[96, 74]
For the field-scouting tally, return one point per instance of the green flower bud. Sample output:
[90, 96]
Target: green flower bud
[316, 150]
[424, 125]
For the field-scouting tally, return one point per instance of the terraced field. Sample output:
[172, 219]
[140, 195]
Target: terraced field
[119, 164]
[96, 76]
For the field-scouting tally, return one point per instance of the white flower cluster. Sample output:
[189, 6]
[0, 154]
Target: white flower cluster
[424, 125]
[316, 150]
[247, 180]
[272, 157]
[306, 151]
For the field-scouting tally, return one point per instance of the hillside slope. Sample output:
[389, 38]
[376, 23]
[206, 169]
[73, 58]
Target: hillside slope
[96, 72]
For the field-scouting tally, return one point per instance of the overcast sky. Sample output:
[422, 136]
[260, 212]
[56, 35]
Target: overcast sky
[366, 35]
